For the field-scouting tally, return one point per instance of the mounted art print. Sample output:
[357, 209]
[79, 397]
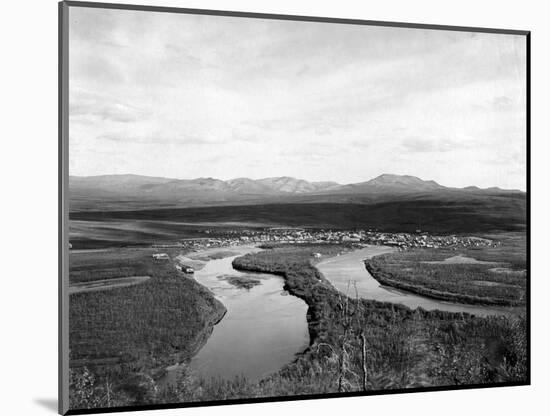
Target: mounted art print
[263, 207]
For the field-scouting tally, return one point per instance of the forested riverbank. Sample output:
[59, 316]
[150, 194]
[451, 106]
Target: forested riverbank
[122, 338]
[490, 275]
[403, 347]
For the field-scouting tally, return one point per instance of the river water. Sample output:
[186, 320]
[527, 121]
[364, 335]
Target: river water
[264, 327]
[263, 330]
[341, 270]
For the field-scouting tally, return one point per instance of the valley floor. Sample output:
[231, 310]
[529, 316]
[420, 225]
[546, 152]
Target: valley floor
[355, 344]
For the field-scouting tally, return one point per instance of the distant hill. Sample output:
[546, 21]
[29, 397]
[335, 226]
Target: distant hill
[287, 184]
[392, 184]
[131, 192]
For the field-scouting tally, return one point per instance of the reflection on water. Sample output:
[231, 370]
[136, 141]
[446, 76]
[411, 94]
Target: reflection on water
[261, 332]
[342, 269]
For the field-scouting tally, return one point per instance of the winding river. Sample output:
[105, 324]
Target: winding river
[263, 330]
[265, 327]
[340, 270]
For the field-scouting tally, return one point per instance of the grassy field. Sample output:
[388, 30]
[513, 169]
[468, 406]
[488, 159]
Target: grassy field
[127, 335]
[92, 265]
[503, 212]
[107, 233]
[495, 276]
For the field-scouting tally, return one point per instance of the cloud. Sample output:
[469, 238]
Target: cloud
[502, 103]
[323, 130]
[510, 159]
[85, 104]
[182, 56]
[244, 135]
[157, 139]
[425, 145]
[303, 71]
[273, 94]
[361, 143]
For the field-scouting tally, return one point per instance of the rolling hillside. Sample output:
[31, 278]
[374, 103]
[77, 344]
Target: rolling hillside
[134, 192]
[388, 203]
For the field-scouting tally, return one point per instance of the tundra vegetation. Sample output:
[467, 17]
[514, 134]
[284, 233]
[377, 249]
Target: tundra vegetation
[355, 344]
[242, 282]
[121, 338]
[490, 275]
[438, 215]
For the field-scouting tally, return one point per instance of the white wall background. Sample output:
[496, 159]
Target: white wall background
[28, 232]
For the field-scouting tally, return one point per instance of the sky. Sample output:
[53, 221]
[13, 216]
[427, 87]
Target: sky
[188, 96]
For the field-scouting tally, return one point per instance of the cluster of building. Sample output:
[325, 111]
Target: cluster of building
[162, 257]
[406, 240]
[356, 237]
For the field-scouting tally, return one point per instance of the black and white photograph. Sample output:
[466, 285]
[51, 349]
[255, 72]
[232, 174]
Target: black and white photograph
[280, 208]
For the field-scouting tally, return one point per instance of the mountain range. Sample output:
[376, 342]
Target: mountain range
[128, 192]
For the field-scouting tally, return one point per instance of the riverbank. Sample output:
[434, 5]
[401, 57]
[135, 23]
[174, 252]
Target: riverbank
[487, 276]
[262, 330]
[127, 335]
[301, 279]
[406, 348]
[350, 267]
[386, 279]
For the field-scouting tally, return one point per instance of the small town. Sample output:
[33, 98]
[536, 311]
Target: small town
[358, 238]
